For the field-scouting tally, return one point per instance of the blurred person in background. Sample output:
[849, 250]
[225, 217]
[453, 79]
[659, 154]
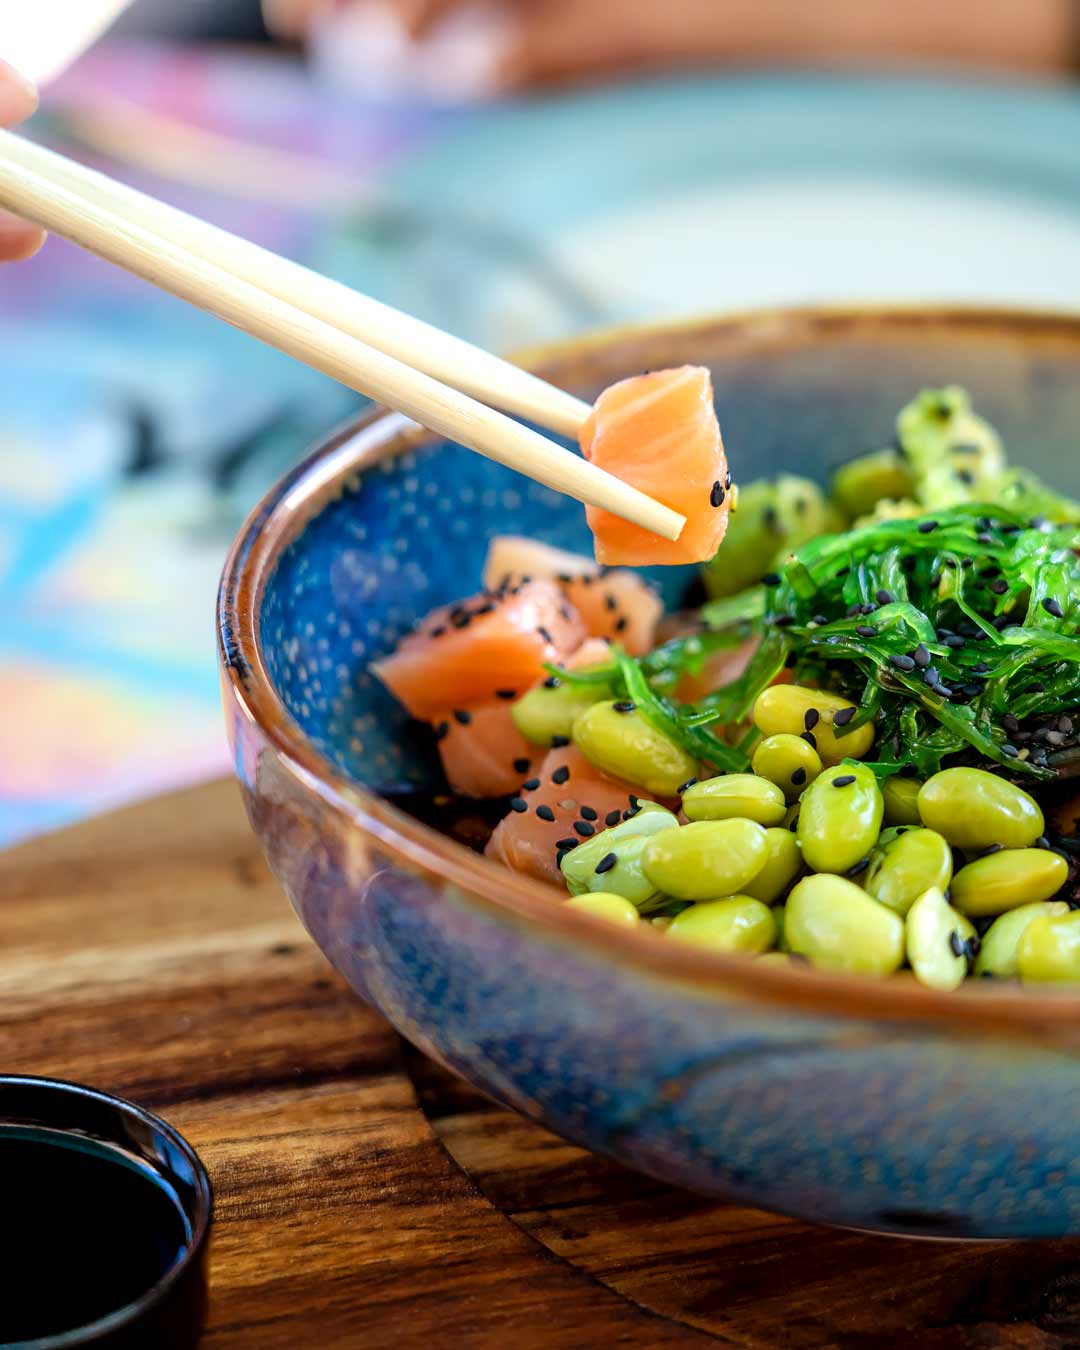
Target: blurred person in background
[480, 48]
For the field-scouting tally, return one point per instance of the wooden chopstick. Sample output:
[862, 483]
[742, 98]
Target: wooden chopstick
[176, 269]
[473, 370]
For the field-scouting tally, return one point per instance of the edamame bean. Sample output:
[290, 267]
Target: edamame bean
[546, 711]
[622, 877]
[789, 762]
[936, 937]
[839, 818]
[1001, 881]
[737, 923]
[998, 955]
[618, 740]
[614, 908]
[784, 708]
[579, 864]
[837, 926]
[905, 863]
[706, 859]
[1050, 949]
[861, 483]
[782, 866]
[974, 809]
[744, 795]
[901, 797]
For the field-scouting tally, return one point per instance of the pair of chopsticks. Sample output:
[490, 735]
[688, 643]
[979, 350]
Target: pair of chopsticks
[436, 379]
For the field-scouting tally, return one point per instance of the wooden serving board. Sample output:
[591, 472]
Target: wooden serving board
[363, 1197]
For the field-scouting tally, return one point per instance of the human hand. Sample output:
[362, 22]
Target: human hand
[18, 99]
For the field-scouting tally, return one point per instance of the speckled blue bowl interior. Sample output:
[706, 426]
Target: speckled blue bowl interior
[799, 395]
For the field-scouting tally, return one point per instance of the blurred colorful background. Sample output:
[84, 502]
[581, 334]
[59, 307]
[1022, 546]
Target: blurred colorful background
[514, 172]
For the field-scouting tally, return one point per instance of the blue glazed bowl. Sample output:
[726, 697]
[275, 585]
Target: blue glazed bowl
[877, 1105]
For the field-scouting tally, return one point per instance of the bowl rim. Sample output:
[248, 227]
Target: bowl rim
[378, 435]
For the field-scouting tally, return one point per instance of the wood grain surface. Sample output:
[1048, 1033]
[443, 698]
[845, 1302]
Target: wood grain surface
[363, 1197]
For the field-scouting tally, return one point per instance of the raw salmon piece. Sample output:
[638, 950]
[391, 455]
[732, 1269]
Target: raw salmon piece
[659, 432]
[466, 654]
[525, 842]
[613, 602]
[486, 756]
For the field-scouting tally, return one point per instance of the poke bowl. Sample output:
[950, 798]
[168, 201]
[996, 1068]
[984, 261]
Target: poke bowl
[878, 1104]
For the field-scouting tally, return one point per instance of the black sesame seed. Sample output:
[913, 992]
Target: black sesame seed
[868, 609]
[545, 634]
[613, 817]
[972, 947]
[965, 476]
[901, 662]
[463, 716]
[584, 828]
[843, 716]
[557, 742]
[955, 641]
[860, 866]
[820, 619]
[791, 660]
[587, 813]
[552, 682]
[461, 620]
[810, 738]
[443, 729]
[1002, 621]
[716, 496]
[927, 526]
[545, 812]
[983, 537]
[621, 623]
[783, 620]
[921, 656]
[811, 718]
[884, 597]
[560, 775]
[624, 705]
[1037, 522]
[522, 766]
[606, 863]
[683, 786]
[518, 804]
[844, 780]
[931, 676]
[1042, 842]
[1010, 723]
[980, 668]
[799, 776]
[506, 693]
[864, 630]
[770, 518]
[564, 578]
[610, 601]
[1010, 750]
[990, 848]
[438, 631]
[727, 479]
[530, 784]
[794, 825]
[854, 609]
[1000, 586]
[1053, 607]
[956, 944]
[567, 843]
[770, 579]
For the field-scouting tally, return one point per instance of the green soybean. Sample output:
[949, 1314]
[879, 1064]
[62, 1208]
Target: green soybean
[998, 955]
[706, 859]
[782, 866]
[905, 863]
[625, 842]
[1014, 876]
[839, 818]
[788, 709]
[860, 484]
[738, 923]
[1050, 949]
[837, 926]
[614, 908]
[735, 794]
[619, 741]
[974, 809]
[546, 711]
[936, 936]
[901, 796]
[788, 761]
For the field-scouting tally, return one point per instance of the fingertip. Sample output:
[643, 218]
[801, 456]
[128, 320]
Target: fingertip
[18, 240]
[18, 96]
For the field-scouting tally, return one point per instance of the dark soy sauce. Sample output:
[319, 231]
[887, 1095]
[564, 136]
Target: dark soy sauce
[88, 1230]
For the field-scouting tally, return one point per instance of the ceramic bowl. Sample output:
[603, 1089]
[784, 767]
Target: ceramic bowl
[877, 1105]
